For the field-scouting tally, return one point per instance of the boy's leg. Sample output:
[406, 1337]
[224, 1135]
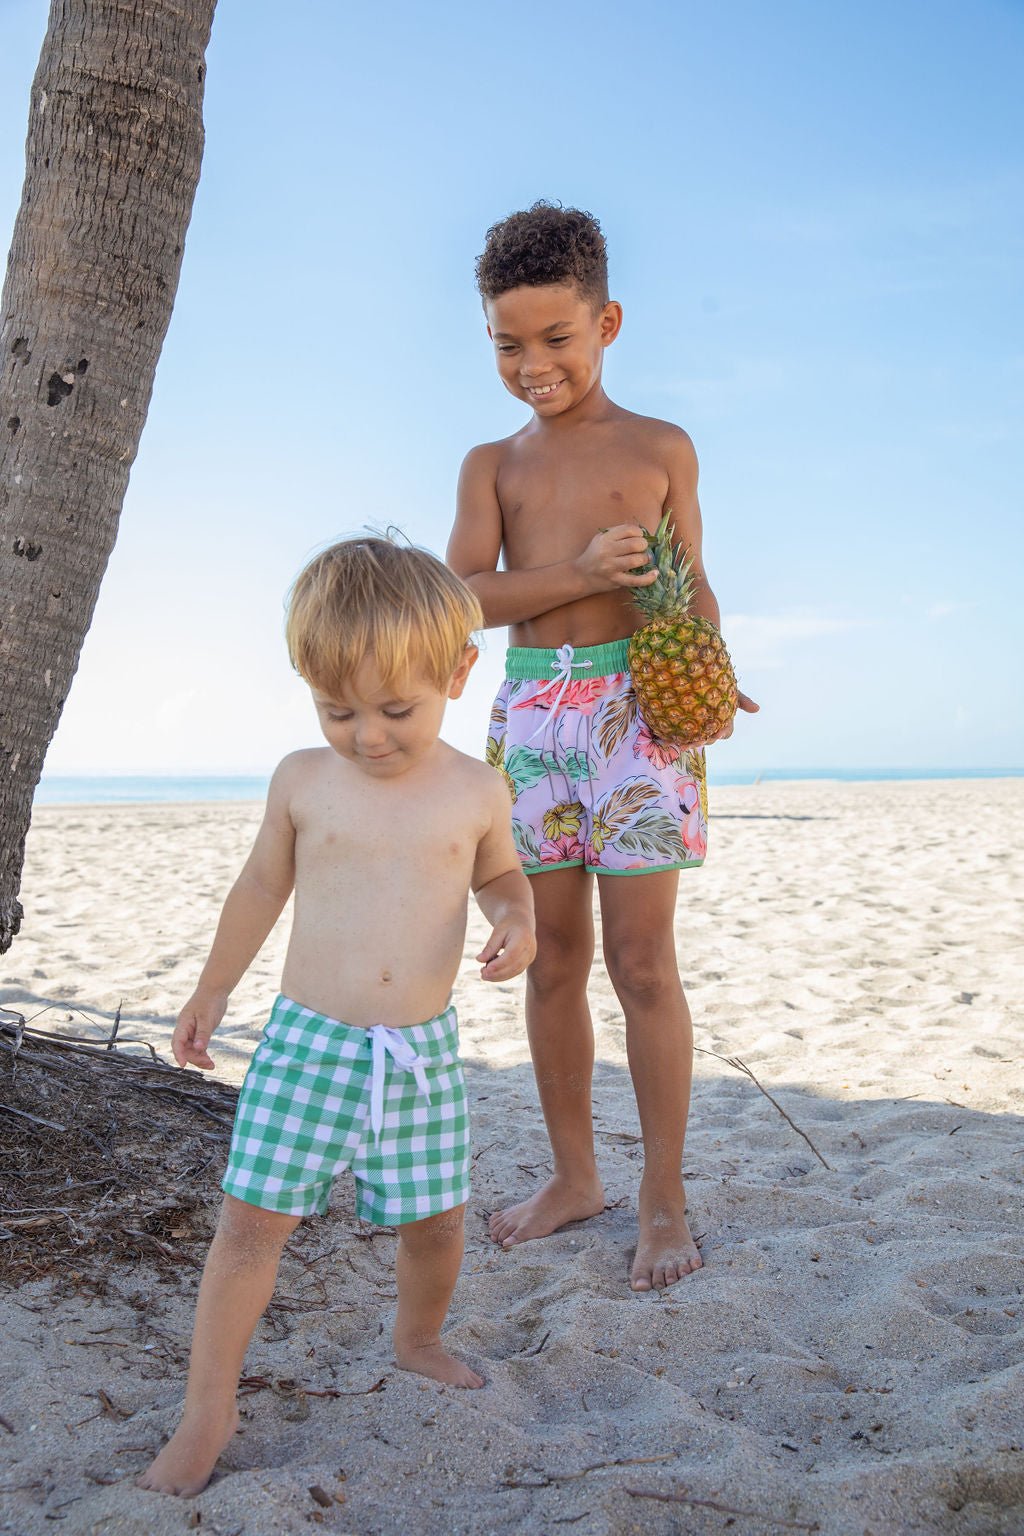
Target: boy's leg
[638, 916]
[427, 1266]
[237, 1283]
[562, 1046]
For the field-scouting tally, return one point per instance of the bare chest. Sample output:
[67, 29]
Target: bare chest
[553, 500]
[380, 845]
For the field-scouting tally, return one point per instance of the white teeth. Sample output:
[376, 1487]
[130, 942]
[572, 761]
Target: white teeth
[543, 389]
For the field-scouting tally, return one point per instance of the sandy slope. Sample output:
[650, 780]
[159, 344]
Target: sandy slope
[850, 1358]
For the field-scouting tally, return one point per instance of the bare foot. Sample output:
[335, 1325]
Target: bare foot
[553, 1206]
[186, 1463]
[433, 1360]
[665, 1251]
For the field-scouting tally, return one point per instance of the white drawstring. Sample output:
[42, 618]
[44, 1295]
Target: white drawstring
[562, 667]
[391, 1042]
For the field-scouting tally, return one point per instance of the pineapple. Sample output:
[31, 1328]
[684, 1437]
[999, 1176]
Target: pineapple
[683, 678]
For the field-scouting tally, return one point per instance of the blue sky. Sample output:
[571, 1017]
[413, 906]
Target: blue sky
[815, 218]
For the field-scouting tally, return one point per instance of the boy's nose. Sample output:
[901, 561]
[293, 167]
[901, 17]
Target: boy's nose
[369, 733]
[532, 368]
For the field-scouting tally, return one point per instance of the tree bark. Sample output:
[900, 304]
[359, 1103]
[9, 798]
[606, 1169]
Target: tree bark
[115, 143]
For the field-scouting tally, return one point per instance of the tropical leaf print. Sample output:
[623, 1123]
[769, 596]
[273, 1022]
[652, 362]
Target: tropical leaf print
[572, 763]
[628, 800]
[613, 814]
[655, 835]
[526, 843]
[614, 720]
[499, 716]
[494, 756]
[527, 766]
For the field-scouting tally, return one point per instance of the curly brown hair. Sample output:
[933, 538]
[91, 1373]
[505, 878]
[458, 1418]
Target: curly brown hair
[545, 243]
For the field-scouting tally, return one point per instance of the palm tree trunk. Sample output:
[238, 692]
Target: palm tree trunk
[115, 142]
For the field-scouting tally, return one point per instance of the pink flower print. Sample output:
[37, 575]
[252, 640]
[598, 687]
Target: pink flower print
[657, 752]
[583, 694]
[561, 850]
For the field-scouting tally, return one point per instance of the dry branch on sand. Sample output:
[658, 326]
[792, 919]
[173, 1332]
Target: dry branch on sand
[105, 1155]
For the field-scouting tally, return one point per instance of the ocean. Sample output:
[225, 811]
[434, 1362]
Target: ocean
[132, 789]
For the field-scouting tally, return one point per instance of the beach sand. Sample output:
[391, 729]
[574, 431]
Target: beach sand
[849, 1359]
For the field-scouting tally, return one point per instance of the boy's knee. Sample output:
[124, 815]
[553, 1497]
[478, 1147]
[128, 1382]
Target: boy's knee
[433, 1231]
[644, 972]
[251, 1229]
[560, 964]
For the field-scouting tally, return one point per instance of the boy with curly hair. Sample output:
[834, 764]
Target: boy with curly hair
[566, 502]
[381, 834]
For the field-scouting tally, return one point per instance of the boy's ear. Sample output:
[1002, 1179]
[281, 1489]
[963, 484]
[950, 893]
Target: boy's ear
[610, 322]
[462, 671]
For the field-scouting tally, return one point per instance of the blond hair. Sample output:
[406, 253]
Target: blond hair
[371, 597]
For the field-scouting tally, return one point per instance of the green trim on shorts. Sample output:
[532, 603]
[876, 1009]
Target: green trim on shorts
[537, 662]
[597, 869]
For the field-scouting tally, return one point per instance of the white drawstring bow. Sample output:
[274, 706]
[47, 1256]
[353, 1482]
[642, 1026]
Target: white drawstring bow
[562, 667]
[391, 1042]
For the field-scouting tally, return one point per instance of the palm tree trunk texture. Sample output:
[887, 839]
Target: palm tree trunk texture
[115, 143]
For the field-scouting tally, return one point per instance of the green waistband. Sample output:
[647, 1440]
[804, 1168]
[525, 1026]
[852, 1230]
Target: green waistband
[538, 662]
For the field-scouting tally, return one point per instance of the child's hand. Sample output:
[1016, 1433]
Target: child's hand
[196, 1023]
[742, 702]
[612, 557]
[508, 951]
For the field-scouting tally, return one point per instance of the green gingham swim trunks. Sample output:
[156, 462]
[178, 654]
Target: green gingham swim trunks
[321, 1096]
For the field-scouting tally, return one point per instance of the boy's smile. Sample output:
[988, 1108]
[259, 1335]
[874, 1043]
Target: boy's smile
[549, 344]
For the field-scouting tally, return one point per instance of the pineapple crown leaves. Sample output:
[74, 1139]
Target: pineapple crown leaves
[671, 595]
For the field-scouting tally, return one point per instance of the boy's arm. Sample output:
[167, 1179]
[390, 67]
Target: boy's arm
[511, 597]
[689, 531]
[686, 519]
[503, 894]
[253, 905]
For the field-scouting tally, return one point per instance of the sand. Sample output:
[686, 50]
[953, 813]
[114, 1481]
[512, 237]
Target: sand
[849, 1359]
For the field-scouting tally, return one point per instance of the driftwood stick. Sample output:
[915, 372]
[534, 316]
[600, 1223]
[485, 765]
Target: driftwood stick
[723, 1509]
[28, 1223]
[596, 1466]
[741, 1066]
[23, 1114]
[112, 1037]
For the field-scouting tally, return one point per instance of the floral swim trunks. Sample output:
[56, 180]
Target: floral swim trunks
[591, 787]
[321, 1096]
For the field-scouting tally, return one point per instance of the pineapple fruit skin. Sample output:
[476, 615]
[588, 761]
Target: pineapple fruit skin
[682, 675]
[683, 679]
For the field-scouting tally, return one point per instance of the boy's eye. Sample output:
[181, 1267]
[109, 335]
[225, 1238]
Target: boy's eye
[556, 341]
[338, 719]
[398, 714]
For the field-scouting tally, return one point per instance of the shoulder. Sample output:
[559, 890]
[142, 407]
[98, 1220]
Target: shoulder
[296, 770]
[671, 448]
[487, 458]
[664, 436]
[476, 778]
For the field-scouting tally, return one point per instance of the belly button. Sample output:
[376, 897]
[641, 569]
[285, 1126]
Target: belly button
[385, 976]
